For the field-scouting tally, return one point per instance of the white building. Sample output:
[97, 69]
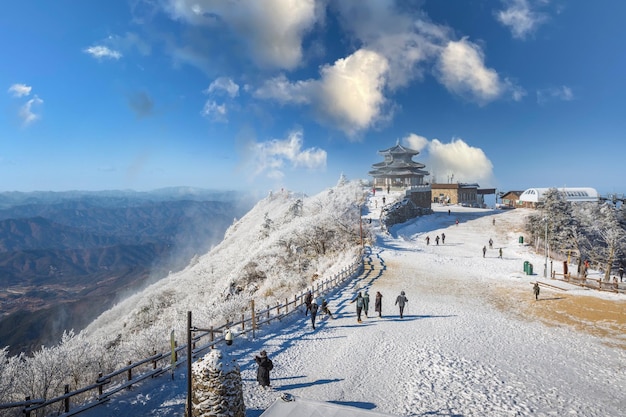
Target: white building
[534, 196]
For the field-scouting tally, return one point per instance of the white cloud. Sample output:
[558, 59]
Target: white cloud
[405, 39]
[214, 111]
[519, 18]
[27, 113]
[224, 84]
[271, 158]
[101, 52]
[461, 69]
[416, 142]
[348, 94]
[272, 30]
[282, 90]
[444, 160]
[563, 93]
[19, 90]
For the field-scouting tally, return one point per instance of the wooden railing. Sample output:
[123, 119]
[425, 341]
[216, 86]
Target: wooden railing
[107, 385]
[592, 283]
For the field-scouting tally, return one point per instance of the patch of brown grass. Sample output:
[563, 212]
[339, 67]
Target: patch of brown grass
[599, 317]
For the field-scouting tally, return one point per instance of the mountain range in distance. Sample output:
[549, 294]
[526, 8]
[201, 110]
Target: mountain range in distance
[65, 257]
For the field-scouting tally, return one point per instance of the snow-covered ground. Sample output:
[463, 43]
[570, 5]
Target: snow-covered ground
[459, 351]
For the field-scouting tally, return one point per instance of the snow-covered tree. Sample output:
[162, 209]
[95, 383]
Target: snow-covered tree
[605, 234]
[556, 215]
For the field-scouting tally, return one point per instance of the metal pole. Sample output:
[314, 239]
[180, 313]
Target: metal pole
[545, 269]
[189, 359]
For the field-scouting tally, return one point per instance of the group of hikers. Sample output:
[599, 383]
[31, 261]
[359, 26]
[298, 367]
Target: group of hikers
[491, 247]
[313, 305]
[443, 239]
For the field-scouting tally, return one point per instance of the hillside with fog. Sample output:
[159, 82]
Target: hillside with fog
[277, 249]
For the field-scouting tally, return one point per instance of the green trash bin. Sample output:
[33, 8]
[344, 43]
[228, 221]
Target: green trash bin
[526, 263]
[521, 240]
[530, 269]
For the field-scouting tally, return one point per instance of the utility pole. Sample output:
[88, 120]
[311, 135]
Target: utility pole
[545, 269]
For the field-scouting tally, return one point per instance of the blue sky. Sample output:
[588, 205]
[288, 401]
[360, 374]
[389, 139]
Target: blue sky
[260, 95]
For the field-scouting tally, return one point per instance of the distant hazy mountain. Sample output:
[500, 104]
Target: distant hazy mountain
[66, 257]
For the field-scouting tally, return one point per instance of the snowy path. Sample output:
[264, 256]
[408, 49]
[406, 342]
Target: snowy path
[454, 354]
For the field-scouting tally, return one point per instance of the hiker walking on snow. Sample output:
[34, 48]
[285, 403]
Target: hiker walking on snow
[359, 306]
[313, 313]
[308, 299]
[490, 243]
[443, 238]
[401, 301]
[500, 253]
[427, 240]
[437, 239]
[536, 290]
[484, 251]
[366, 302]
[378, 304]
[325, 309]
[265, 366]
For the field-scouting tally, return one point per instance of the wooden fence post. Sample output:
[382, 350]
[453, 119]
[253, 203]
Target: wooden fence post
[66, 401]
[27, 413]
[154, 361]
[212, 337]
[100, 385]
[253, 318]
[130, 372]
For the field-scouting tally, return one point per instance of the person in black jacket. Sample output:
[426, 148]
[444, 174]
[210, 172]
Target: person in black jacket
[265, 366]
[378, 304]
[308, 299]
[313, 313]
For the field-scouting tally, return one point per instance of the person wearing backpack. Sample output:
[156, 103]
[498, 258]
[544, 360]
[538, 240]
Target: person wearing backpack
[359, 306]
[263, 372]
[401, 301]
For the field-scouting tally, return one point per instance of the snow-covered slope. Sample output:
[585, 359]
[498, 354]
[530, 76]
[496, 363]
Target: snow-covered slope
[465, 346]
[272, 252]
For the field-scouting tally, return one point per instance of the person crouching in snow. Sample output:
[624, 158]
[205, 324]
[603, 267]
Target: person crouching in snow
[359, 306]
[265, 366]
[325, 309]
[401, 301]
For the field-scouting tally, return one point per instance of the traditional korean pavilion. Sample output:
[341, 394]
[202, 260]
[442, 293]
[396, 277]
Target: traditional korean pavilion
[398, 170]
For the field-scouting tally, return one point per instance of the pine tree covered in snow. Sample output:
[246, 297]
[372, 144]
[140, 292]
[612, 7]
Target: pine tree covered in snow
[593, 230]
